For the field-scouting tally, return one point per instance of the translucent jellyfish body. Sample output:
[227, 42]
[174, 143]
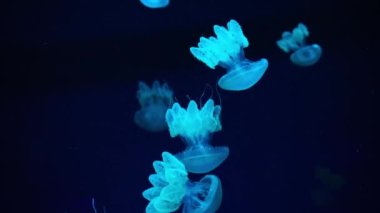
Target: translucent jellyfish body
[169, 185]
[303, 54]
[195, 127]
[154, 103]
[226, 50]
[154, 4]
[204, 196]
[172, 188]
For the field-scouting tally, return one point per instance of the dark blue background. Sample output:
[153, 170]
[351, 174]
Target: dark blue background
[69, 72]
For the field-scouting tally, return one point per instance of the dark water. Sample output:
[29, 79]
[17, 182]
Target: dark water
[301, 140]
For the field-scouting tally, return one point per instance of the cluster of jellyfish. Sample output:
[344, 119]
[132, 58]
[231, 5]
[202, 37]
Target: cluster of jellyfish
[171, 185]
[195, 124]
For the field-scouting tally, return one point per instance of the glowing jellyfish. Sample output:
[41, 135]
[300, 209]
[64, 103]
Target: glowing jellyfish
[172, 188]
[204, 196]
[195, 127]
[169, 185]
[154, 4]
[154, 103]
[303, 55]
[226, 50]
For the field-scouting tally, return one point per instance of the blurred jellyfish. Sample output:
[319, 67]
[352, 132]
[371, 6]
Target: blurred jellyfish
[172, 188]
[226, 50]
[154, 4]
[154, 103]
[303, 54]
[195, 127]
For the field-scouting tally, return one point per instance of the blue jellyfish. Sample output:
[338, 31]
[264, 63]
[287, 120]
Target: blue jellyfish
[172, 188]
[195, 126]
[154, 103]
[169, 185]
[227, 51]
[303, 55]
[204, 196]
[154, 4]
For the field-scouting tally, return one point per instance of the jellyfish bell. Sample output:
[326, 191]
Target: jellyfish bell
[204, 196]
[154, 4]
[244, 75]
[307, 55]
[203, 159]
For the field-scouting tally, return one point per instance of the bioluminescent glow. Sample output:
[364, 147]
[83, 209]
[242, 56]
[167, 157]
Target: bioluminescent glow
[169, 185]
[295, 41]
[155, 4]
[195, 127]
[172, 188]
[226, 50]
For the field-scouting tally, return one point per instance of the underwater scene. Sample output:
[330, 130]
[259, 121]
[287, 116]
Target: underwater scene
[198, 106]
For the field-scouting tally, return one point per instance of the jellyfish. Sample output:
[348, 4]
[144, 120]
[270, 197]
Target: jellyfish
[172, 188]
[195, 126]
[204, 196]
[303, 54]
[226, 50]
[154, 102]
[154, 4]
[169, 185]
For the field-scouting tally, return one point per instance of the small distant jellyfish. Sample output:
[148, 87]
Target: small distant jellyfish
[303, 54]
[172, 188]
[226, 50]
[154, 103]
[195, 127]
[154, 4]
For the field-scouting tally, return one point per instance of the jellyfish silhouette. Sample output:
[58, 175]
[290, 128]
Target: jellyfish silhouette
[172, 188]
[154, 4]
[154, 103]
[303, 54]
[226, 50]
[195, 127]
